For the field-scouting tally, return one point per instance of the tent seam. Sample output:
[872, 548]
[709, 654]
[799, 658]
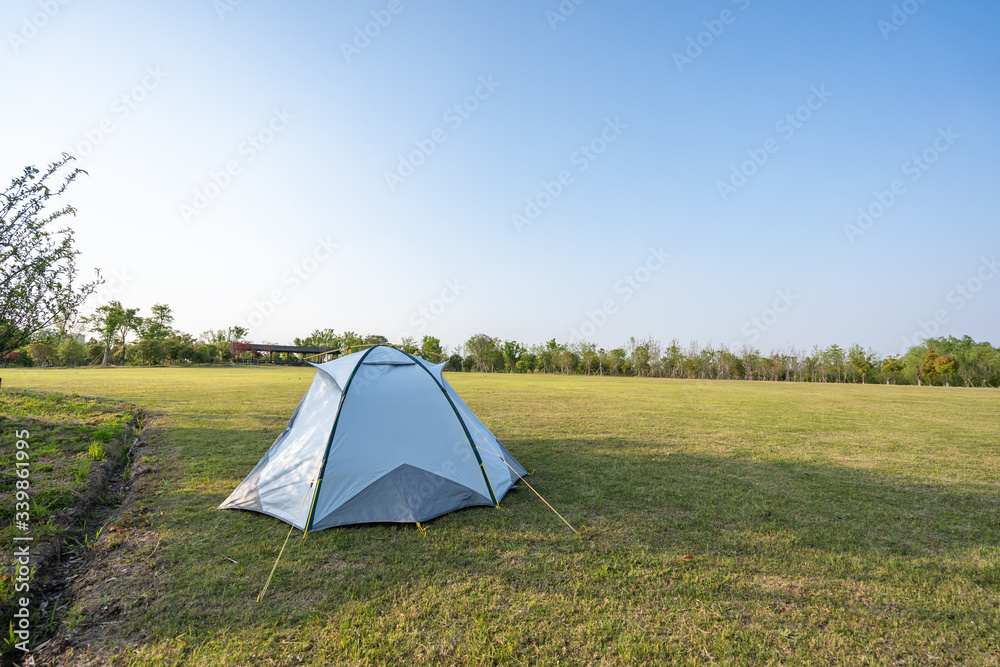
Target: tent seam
[376, 481]
[472, 443]
[329, 441]
[326, 373]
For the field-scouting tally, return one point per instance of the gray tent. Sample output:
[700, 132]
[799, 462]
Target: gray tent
[379, 437]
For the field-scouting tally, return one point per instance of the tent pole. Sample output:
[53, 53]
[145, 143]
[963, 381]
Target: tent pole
[329, 442]
[458, 416]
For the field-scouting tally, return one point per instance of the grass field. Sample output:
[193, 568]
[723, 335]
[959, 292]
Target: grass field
[61, 438]
[825, 524]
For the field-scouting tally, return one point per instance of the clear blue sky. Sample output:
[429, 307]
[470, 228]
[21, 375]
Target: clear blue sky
[819, 108]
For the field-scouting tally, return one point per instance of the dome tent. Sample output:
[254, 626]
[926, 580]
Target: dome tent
[380, 436]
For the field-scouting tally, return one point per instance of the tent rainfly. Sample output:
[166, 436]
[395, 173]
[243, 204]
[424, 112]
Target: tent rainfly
[379, 437]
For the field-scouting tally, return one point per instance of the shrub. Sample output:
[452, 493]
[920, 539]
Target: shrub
[108, 432]
[96, 451]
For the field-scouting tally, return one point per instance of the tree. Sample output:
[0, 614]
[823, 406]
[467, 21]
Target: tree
[105, 321]
[836, 356]
[928, 368]
[693, 367]
[543, 356]
[655, 349]
[728, 364]
[217, 345]
[673, 360]
[892, 365]
[320, 338]
[483, 352]
[751, 360]
[639, 356]
[409, 344]
[587, 352]
[945, 365]
[618, 362]
[527, 363]
[158, 326]
[173, 348]
[71, 352]
[568, 360]
[973, 362]
[114, 322]
[861, 360]
[239, 348]
[128, 322]
[709, 361]
[350, 340]
[150, 351]
[37, 264]
[817, 363]
[16, 358]
[430, 348]
[204, 353]
[221, 342]
[511, 351]
[44, 348]
[95, 351]
[986, 360]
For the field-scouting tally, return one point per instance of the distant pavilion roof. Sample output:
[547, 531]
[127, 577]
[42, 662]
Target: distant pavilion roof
[294, 349]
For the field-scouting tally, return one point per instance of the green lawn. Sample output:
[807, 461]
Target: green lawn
[61, 439]
[826, 524]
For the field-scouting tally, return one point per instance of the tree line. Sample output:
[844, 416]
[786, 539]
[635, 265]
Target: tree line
[126, 337]
[936, 361]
